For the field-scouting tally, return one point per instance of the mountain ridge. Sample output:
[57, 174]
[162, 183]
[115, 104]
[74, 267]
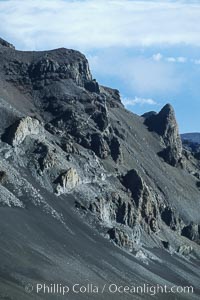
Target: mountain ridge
[191, 136]
[88, 187]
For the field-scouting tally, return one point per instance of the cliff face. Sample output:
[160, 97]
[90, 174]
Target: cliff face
[73, 160]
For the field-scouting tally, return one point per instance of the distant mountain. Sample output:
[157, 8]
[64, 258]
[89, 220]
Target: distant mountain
[191, 142]
[193, 137]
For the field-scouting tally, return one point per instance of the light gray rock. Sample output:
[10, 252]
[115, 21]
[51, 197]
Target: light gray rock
[17, 133]
[67, 181]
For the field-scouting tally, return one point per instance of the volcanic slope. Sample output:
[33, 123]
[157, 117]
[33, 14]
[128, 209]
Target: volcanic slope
[90, 192]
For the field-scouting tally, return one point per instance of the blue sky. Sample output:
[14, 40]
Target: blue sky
[149, 50]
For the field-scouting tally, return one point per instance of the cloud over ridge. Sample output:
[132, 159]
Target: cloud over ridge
[138, 100]
[95, 24]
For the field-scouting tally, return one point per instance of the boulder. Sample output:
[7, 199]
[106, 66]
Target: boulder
[67, 181]
[17, 133]
[185, 250]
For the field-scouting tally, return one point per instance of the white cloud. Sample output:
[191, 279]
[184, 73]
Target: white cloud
[106, 28]
[196, 61]
[89, 24]
[171, 59]
[137, 75]
[145, 75]
[157, 57]
[138, 100]
[179, 59]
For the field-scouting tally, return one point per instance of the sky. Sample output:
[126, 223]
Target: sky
[148, 50]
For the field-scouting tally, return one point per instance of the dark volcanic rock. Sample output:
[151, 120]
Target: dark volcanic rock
[114, 209]
[99, 145]
[192, 232]
[3, 177]
[170, 218]
[134, 183]
[92, 86]
[76, 167]
[149, 114]
[116, 150]
[164, 123]
[121, 238]
[147, 209]
[171, 155]
[6, 44]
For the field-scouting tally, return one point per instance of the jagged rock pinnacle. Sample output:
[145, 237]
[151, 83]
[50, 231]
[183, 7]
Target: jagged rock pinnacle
[165, 124]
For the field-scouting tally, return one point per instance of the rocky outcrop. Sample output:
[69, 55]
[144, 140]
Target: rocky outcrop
[17, 133]
[122, 238]
[101, 119]
[99, 145]
[102, 209]
[70, 147]
[185, 250]
[48, 67]
[128, 238]
[67, 181]
[6, 44]
[113, 95]
[172, 156]
[104, 145]
[116, 150]
[147, 209]
[47, 159]
[192, 232]
[164, 123]
[134, 183]
[3, 177]
[92, 86]
[170, 217]
[57, 65]
[114, 209]
[148, 114]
